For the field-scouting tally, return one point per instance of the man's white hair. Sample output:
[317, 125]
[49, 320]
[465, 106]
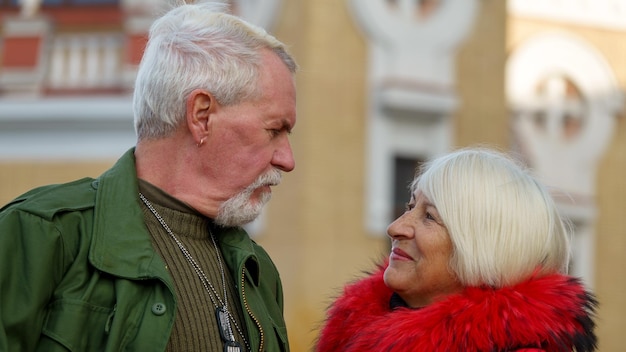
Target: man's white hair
[197, 46]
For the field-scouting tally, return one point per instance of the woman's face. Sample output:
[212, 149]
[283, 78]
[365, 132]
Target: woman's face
[420, 253]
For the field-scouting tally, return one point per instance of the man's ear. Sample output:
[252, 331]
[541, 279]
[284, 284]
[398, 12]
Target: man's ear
[200, 105]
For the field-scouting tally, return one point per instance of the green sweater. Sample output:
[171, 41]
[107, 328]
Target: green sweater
[196, 327]
[78, 272]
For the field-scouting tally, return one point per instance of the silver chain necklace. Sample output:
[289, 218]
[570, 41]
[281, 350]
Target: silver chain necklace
[222, 314]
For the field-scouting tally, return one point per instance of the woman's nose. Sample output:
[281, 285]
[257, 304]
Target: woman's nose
[399, 228]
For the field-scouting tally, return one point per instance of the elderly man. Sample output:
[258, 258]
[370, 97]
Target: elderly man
[151, 255]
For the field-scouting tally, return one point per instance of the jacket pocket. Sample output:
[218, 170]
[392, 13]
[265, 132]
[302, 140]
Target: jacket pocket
[74, 325]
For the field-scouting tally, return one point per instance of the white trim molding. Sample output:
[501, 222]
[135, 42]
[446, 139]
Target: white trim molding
[564, 100]
[65, 128]
[569, 163]
[608, 14]
[412, 49]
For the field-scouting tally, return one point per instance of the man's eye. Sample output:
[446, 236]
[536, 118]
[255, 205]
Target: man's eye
[274, 132]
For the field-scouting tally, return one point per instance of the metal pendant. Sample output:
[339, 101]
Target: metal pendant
[232, 346]
[223, 323]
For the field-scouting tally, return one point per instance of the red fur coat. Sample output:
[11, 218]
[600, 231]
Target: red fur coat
[552, 313]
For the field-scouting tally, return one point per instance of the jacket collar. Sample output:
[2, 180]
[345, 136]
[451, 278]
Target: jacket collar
[121, 242]
[238, 251]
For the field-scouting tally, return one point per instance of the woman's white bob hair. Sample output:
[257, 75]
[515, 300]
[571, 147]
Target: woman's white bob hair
[504, 225]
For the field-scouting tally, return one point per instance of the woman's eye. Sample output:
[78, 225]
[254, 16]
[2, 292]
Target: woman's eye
[408, 206]
[429, 216]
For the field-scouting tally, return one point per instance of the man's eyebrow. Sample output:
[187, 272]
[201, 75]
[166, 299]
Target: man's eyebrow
[286, 124]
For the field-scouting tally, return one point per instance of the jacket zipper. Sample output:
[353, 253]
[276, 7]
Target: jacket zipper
[245, 304]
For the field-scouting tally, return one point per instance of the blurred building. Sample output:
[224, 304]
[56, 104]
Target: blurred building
[384, 85]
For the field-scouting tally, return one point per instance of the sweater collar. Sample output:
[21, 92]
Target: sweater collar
[396, 302]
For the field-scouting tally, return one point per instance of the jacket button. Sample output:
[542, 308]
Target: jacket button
[159, 308]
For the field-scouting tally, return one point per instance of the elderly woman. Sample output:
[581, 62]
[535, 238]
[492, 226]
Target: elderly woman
[478, 263]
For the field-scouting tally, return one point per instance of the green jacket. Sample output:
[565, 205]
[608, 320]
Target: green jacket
[78, 272]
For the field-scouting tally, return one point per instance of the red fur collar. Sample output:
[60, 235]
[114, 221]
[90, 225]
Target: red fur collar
[554, 312]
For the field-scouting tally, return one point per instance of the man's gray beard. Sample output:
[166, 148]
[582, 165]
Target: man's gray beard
[239, 210]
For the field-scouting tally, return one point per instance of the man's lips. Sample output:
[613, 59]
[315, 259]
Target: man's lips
[270, 184]
[397, 253]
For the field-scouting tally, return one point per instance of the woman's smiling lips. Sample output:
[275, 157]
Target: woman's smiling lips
[398, 254]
